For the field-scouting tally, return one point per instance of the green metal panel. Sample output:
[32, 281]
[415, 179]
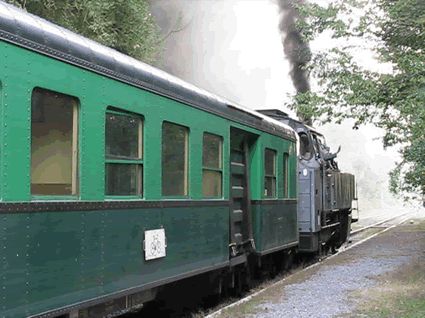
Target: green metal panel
[43, 262]
[256, 161]
[14, 267]
[197, 238]
[276, 225]
[92, 254]
[91, 137]
[16, 124]
[293, 170]
[1, 132]
[281, 146]
[54, 259]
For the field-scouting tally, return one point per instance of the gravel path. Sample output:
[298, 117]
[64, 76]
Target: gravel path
[324, 290]
[324, 294]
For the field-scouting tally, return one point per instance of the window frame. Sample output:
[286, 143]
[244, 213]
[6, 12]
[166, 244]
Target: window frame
[139, 161]
[220, 169]
[272, 177]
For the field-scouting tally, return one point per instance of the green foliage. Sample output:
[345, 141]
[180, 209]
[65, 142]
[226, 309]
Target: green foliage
[394, 100]
[124, 25]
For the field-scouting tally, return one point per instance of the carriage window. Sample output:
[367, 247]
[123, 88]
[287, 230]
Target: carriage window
[285, 175]
[270, 173]
[123, 154]
[212, 165]
[175, 144]
[54, 143]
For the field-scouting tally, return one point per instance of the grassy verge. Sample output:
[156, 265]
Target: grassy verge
[393, 300]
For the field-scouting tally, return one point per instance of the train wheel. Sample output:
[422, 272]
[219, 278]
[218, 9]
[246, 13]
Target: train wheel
[241, 280]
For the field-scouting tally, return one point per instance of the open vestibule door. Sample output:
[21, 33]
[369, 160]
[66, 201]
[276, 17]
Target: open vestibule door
[241, 228]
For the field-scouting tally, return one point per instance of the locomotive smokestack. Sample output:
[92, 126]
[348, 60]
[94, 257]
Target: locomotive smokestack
[297, 51]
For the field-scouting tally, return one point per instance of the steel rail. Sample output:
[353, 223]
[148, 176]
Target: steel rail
[373, 215]
[377, 223]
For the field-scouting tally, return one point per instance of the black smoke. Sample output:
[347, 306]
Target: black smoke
[296, 50]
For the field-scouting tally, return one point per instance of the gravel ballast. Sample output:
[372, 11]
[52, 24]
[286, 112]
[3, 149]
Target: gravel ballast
[326, 289]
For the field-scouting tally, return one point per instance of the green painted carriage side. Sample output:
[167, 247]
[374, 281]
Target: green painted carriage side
[15, 125]
[275, 225]
[275, 218]
[56, 259]
[95, 93]
[256, 158]
[1, 133]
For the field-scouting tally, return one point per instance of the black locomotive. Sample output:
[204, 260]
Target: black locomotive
[325, 193]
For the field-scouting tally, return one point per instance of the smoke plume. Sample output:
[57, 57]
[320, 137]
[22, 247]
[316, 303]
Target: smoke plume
[297, 52]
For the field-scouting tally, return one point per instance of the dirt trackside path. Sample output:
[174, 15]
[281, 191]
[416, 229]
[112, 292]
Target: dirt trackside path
[398, 293]
[383, 277]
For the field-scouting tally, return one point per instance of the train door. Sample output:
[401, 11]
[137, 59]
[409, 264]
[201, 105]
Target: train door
[241, 229]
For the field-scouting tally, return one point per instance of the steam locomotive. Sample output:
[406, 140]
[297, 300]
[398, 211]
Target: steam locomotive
[118, 179]
[325, 195]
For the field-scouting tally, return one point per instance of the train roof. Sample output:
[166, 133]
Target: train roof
[280, 115]
[36, 34]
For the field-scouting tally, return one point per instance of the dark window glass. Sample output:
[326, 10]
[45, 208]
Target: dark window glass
[123, 179]
[270, 187]
[122, 136]
[123, 154]
[270, 158]
[212, 165]
[212, 149]
[54, 143]
[305, 147]
[175, 140]
[270, 173]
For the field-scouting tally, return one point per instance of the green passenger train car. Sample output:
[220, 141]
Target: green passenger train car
[117, 178]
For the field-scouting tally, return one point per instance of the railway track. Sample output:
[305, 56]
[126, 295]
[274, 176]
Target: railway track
[367, 231]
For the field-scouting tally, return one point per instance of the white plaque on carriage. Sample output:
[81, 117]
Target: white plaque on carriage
[154, 244]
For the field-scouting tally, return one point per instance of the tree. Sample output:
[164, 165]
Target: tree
[124, 25]
[394, 31]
